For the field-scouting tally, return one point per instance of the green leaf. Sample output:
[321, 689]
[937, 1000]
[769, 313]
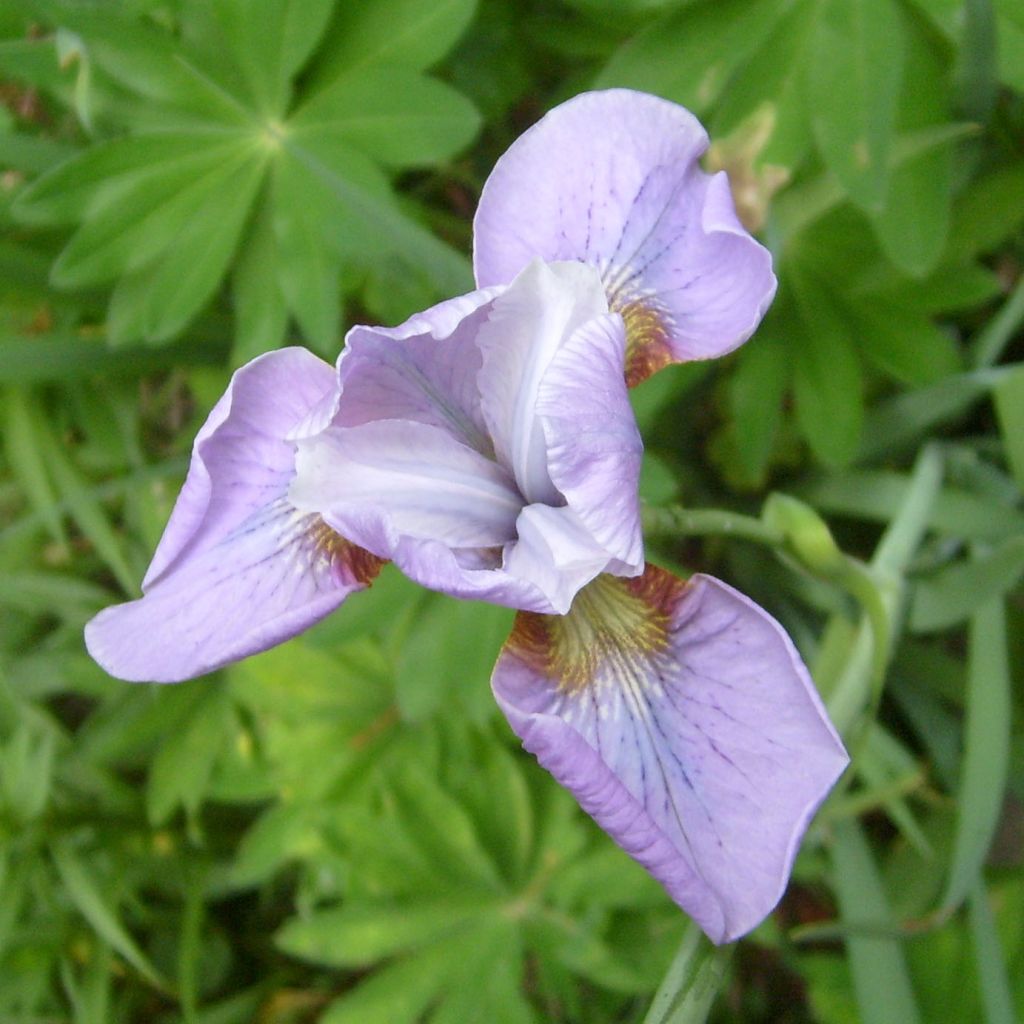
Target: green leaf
[284, 831]
[270, 46]
[955, 592]
[308, 267]
[1009, 400]
[910, 416]
[81, 887]
[261, 314]
[774, 75]
[880, 976]
[157, 301]
[877, 494]
[689, 55]
[444, 832]
[131, 226]
[374, 220]
[857, 66]
[949, 289]
[109, 173]
[401, 991]
[25, 451]
[407, 33]
[826, 374]
[756, 394]
[181, 768]
[148, 61]
[904, 344]
[62, 356]
[448, 653]
[498, 797]
[913, 225]
[400, 117]
[986, 749]
[358, 934]
[977, 84]
[1010, 35]
[987, 213]
[86, 509]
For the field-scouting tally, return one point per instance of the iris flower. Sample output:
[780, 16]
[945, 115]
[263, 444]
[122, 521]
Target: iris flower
[488, 449]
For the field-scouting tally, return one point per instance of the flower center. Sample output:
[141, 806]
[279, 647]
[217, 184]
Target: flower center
[614, 630]
[347, 560]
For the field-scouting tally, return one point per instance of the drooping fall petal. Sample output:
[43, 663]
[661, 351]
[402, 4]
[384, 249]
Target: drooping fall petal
[238, 569]
[683, 720]
[612, 179]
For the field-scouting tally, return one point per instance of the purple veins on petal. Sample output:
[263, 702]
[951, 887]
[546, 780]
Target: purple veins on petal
[612, 179]
[683, 720]
[239, 568]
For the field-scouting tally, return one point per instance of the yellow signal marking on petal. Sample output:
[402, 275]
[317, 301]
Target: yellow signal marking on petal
[347, 559]
[615, 629]
[647, 337]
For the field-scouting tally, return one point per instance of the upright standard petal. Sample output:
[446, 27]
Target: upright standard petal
[527, 326]
[611, 179]
[238, 569]
[683, 720]
[424, 370]
[487, 446]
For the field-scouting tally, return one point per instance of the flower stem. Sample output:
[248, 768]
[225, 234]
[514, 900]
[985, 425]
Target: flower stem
[674, 521]
[692, 981]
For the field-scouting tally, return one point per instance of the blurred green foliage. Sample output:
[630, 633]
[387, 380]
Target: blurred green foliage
[343, 829]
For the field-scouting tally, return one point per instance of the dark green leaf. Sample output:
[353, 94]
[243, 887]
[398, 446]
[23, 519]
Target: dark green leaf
[181, 768]
[399, 117]
[858, 65]
[448, 654]
[357, 935]
[954, 593]
[914, 222]
[157, 301]
[405, 33]
[689, 55]
[261, 314]
[95, 908]
[826, 374]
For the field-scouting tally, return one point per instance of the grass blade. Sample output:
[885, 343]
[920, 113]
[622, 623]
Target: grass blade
[880, 976]
[986, 749]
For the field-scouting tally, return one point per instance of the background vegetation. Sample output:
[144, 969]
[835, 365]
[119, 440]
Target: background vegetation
[344, 830]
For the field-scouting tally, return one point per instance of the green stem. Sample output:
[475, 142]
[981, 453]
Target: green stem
[674, 521]
[692, 982]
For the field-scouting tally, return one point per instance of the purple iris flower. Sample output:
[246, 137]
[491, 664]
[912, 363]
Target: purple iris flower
[487, 447]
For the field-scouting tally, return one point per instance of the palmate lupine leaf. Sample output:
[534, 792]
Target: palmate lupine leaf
[689, 54]
[912, 226]
[221, 156]
[858, 63]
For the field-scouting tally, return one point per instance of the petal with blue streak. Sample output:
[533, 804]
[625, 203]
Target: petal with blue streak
[612, 179]
[683, 720]
[425, 370]
[238, 569]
